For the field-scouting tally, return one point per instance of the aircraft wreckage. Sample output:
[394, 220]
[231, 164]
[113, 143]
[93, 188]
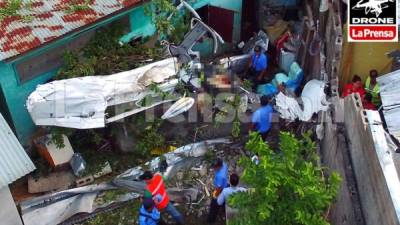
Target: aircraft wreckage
[82, 102]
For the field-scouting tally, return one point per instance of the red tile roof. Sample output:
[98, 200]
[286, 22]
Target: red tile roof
[46, 20]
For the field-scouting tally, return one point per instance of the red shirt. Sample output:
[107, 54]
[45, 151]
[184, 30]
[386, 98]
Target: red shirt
[348, 89]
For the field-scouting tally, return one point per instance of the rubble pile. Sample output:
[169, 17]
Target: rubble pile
[189, 182]
[193, 186]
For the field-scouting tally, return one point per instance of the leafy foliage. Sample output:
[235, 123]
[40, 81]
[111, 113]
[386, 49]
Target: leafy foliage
[236, 122]
[163, 94]
[12, 7]
[232, 105]
[104, 55]
[160, 10]
[247, 84]
[78, 5]
[168, 25]
[57, 135]
[289, 186]
[92, 136]
[150, 138]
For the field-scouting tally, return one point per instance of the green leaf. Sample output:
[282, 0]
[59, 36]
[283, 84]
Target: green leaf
[288, 185]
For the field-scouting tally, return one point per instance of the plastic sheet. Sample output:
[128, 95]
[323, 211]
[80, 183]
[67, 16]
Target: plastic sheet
[313, 98]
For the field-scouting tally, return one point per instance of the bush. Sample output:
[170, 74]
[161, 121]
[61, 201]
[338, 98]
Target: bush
[289, 186]
[103, 55]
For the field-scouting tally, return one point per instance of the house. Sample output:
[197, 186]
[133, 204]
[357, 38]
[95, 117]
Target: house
[32, 44]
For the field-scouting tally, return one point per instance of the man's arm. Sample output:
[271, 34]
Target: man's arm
[142, 221]
[221, 198]
[218, 182]
[254, 120]
[155, 214]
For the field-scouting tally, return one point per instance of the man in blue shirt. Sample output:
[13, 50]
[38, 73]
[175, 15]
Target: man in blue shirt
[220, 182]
[148, 214]
[262, 117]
[228, 191]
[257, 67]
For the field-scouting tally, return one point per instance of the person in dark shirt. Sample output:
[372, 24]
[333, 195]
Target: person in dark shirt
[367, 102]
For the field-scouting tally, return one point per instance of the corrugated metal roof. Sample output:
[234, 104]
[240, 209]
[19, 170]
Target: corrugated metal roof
[386, 158]
[389, 86]
[14, 162]
[46, 20]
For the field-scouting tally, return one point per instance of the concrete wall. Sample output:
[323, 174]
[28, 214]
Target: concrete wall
[8, 214]
[370, 167]
[334, 154]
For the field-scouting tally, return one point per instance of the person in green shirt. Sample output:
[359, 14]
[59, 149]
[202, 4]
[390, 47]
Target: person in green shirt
[372, 87]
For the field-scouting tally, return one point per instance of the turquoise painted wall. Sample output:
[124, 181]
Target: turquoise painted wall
[15, 97]
[141, 25]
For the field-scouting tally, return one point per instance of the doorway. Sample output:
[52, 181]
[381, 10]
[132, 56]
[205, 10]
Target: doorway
[249, 19]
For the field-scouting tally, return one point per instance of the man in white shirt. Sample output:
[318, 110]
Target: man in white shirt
[226, 192]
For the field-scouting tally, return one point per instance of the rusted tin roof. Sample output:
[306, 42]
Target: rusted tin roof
[41, 21]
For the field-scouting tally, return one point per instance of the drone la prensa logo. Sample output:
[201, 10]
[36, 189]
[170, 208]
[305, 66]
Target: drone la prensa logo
[372, 21]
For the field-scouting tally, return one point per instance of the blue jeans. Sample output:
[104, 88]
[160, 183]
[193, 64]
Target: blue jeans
[171, 210]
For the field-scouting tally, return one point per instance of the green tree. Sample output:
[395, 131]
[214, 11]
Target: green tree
[103, 55]
[171, 25]
[289, 186]
[160, 10]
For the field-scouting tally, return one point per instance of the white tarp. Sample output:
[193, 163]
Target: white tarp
[81, 102]
[313, 98]
[56, 207]
[60, 211]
